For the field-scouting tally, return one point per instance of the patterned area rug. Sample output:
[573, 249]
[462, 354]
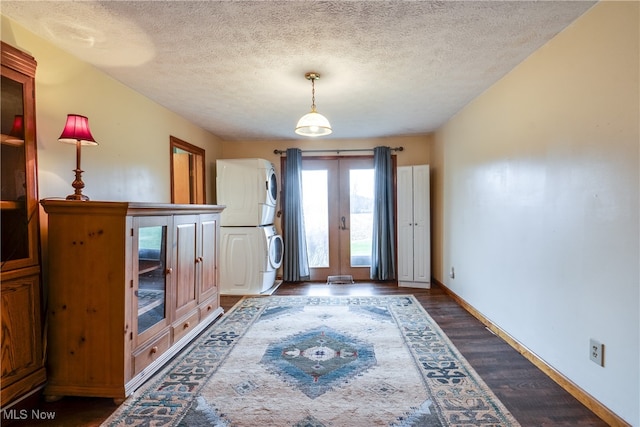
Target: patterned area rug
[318, 361]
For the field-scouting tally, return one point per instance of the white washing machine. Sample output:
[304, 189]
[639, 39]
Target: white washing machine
[249, 258]
[249, 190]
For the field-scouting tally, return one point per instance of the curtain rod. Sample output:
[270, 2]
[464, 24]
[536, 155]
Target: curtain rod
[336, 150]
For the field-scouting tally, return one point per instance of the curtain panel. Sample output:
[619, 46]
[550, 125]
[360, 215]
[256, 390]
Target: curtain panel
[383, 256]
[296, 261]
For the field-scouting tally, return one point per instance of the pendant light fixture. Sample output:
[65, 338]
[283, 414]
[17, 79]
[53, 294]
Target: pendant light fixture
[313, 123]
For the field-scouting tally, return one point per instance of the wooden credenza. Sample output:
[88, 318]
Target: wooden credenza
[129, 285]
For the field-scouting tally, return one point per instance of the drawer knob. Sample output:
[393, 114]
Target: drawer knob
[209, 307]
[169, 270]
[186, 325]
[154, 350]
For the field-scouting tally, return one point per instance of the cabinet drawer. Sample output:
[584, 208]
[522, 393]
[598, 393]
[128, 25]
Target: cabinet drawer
[150, 352]
[208, 307]
[185, 326]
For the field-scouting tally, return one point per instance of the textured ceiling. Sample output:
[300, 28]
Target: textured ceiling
[237, 68]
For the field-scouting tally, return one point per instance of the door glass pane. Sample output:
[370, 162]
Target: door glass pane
[151, 276]
[315, 208]
[15, 230]
[361, 211]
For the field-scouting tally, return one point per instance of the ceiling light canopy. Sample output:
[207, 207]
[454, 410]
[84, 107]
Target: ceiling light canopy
[313, 123]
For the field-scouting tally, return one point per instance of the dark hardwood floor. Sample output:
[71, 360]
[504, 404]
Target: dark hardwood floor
[533, 398]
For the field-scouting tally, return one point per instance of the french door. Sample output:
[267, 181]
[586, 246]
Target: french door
[338, 213]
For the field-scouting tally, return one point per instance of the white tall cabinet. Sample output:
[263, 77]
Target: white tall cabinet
[414, 231]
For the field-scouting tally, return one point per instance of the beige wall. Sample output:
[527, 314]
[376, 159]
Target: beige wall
[416, 148]
[132, 160]
[540, 208]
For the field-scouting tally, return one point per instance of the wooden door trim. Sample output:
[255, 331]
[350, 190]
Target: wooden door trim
[200, 173]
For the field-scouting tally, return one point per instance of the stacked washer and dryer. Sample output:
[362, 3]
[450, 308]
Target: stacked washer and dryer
[251, 250]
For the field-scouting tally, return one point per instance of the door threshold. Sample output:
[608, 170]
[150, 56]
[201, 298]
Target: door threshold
[340, 280]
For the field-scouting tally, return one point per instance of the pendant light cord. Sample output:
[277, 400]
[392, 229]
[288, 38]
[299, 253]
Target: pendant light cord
[313, 94]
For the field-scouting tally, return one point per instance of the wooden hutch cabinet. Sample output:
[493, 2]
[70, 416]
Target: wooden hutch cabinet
[130, 284]
[22, 365]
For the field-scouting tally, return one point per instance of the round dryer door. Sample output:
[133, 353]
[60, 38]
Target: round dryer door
[272, 186]
[276, 250]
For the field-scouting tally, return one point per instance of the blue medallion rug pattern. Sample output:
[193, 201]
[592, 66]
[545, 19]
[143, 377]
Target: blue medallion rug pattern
[317, 359]
[318, 362]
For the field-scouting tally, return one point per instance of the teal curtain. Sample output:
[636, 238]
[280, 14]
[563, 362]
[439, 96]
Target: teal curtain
[383, 256]
[296, 261]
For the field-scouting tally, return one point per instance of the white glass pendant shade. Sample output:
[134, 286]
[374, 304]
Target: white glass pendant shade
[313, 124]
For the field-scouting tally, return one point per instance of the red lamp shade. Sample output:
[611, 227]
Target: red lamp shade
[77, 130]
[17, 130]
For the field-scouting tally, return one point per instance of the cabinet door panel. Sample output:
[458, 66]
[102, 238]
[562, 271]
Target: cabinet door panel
[152, 284]
[421, 224]
[20, 327]
[208, 228]
[405, 223]
[186, 254]
[19, 204]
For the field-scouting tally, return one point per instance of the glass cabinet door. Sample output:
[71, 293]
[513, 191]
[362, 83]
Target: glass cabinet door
[150, 294]
[17, 231]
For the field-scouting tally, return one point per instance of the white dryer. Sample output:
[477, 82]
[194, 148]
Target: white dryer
[249, 190]
[249, 258]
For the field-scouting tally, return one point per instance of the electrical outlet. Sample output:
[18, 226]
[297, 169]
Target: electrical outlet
[452, 273]
[596, 352]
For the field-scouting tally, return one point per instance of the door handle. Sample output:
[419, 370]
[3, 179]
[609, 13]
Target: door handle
[343, 225]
